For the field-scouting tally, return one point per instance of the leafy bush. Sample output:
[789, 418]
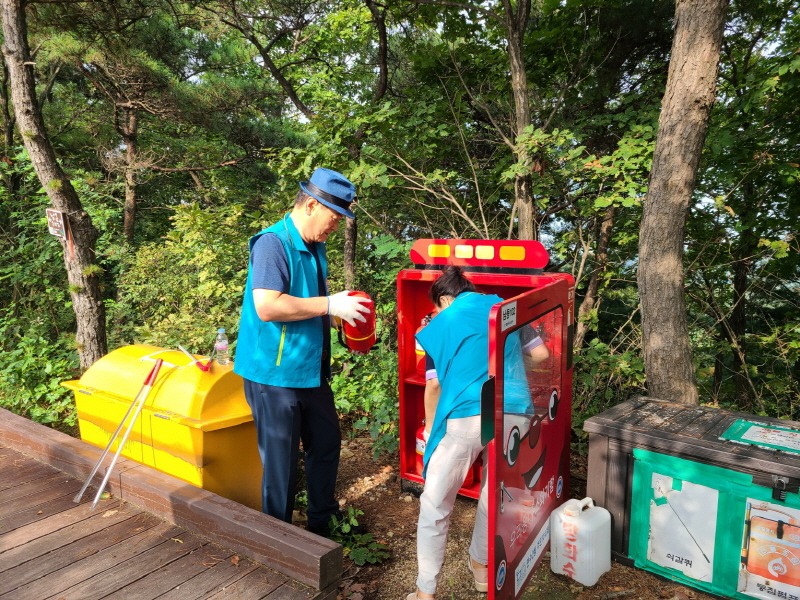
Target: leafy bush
[603, 377]
[31, 374]
[36, 315]
[361, 548]
[366, 386]
[180, 289]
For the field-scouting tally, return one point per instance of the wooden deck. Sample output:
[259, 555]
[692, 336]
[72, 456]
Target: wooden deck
[51, 547]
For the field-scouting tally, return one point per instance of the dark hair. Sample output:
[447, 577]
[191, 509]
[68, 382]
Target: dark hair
[451, 283]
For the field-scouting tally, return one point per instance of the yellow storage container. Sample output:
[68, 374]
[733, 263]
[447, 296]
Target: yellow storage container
[195, 425]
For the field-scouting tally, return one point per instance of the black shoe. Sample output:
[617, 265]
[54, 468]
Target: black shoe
[324, 530]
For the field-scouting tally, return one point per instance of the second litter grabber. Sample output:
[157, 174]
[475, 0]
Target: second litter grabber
[135, 408]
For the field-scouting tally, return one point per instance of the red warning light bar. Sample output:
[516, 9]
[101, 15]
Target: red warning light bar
[505, 254]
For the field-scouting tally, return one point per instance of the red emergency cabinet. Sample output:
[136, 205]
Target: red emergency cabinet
[527, 455]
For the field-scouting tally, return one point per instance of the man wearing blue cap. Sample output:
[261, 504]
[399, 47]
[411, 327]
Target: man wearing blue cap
[283, 350]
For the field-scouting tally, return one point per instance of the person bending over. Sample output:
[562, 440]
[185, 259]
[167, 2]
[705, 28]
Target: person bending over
[456, 343]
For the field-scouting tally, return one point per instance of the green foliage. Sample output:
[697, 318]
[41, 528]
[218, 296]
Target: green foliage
[31, 374]
[361, 548]
[180, 289]
[37, 347]
[366, 386]
[772, 359]
[603, 376]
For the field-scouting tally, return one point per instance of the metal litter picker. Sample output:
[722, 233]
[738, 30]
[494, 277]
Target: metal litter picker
[136, 406]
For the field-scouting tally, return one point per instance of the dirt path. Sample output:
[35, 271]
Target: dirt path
[391, 516]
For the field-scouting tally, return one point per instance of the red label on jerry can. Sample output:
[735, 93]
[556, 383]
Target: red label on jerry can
[361, 336]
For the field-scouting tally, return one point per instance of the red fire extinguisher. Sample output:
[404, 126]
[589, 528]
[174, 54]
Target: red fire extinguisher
[361, 336]
[422, 440]
[419, 351]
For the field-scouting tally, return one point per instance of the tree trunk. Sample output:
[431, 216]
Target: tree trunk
[685, 109]
[590, 299]
[12, 179]
[744, 250]
[516, 21]
[528, 226]
[79, 247]
[350, 237]
[129, 129]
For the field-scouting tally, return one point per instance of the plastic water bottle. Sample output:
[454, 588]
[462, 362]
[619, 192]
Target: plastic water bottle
[221, 347]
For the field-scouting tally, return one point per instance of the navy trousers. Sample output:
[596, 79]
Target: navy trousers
[284, 417]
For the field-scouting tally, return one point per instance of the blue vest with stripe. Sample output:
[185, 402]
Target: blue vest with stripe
[284, 354]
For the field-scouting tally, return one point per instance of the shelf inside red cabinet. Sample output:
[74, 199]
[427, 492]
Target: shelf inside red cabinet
[414, 380]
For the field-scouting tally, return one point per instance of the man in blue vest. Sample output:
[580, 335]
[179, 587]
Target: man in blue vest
[283, 349]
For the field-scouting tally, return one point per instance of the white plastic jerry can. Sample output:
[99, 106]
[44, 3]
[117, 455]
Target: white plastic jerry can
[580, 541]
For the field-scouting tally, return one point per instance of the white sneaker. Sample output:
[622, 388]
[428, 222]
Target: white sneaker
[480, 575]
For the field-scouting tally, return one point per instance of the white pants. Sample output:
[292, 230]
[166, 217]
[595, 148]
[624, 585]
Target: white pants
[447, 468]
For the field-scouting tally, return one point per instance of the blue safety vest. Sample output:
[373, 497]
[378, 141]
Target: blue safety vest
[284, 354]
[457, 340]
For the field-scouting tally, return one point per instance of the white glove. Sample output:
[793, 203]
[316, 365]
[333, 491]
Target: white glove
[348, 308]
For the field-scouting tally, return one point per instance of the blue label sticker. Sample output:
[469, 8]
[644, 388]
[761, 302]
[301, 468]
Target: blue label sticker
[559, 486]
[500, 578]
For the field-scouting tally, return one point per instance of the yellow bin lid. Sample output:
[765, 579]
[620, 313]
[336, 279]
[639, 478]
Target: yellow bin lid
[182, 392]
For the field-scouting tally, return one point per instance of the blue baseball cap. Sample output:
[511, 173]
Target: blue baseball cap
[332, 189]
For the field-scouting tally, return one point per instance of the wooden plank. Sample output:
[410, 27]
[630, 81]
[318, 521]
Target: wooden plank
[36, 492]
[597, 470]
[8, 454]
[253, 586]
[221, 575]
[180, 574]
[729, 455]
[26, 471]
[299, 554]
[659, 416]
[92, 548]
[36, 511]
[308, 558]
[101, 525]
[700, 427]
[629, 418]
[615, 412]
[57, 449]
[12, 460]
[22, 535]
[81, 567]
[291, 591]
[617, 494]
[718, 428]
[682, 420]
[136, 566]
[628, 413]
